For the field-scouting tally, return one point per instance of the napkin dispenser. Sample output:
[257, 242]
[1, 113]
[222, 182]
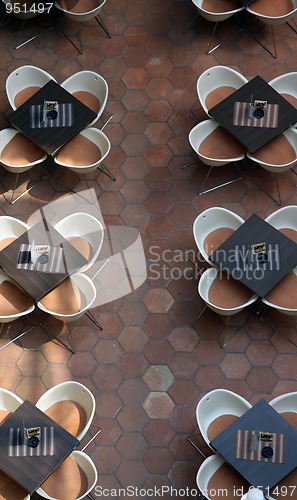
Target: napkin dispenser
[258, 108]
[49, 110]
[31, 436]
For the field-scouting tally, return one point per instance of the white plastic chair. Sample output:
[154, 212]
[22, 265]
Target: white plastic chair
[85, 233]
[67, 479]
[90, 88]
[10, 229]
[208, 139]
[238, 296]
[286, 86]
[17, 155]
[219, 409]
[54, 403]
[273, 14]
[285, 220]
[217, 83]
[273, 157]
[286, 406]
[216, 17]
[9, 402]
[215, 475]
[214, 225]
[24, 82]
[85, 152]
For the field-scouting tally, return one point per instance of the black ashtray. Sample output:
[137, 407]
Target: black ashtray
[33, 442]
[258, 113]
[262, 258]
[43, 258]
[267, 452]
[52, 115]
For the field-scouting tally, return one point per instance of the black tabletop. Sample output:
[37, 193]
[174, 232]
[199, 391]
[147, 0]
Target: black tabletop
[30, 467]
[40, 259]
[258, 472]
[259, 273]
[252, 137]
[50, 135]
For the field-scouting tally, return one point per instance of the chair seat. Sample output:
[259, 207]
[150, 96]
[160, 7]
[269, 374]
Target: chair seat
[279, 151]
[219, 424]
[65, 299]
[20, 151]
[290, 233]
[88, 99]
[10, 490]
[3, 415]
[69, 414]
[290, 98]
[291, 417]
[80, 151]
[272, 8]
[67, 482]
[24, 95]
[284, 294]
[215, 239]
[5, 242]
[217, 95]
[82, 246]
[79, 6]
[226, 479]
[13, 300]
[220, 6]
[221, 145]
[228, 293]
[288, 481]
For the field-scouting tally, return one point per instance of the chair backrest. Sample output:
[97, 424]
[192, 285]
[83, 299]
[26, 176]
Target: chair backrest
[273, 13]
[16, 303]
[285, 402]
[23, 79]
[91, 82]
[285, 217]
[215, 78]
[213, 219]
[82, 11]
[206, 470]
[228, 9]
[11, 228]
[70, 391]
[276, 156]
[217, 403]
[9, 401]
[285, 84]
[283, 297]
[21, 154]
[86, 227]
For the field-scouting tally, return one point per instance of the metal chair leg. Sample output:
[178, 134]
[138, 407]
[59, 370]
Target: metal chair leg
[275, 329]
[195, 446]
[262, 45]
[91, 439]
[199, 316]
[30, 185]
[219, 185]
[15, 338]
[107, 172]
[93, 319]
[69, 345]
[101, 23]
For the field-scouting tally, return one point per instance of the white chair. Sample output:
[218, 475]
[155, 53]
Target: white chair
[10, 229]
[215, 475]
[273, 13]
[286, 406]
[9, 402]
[285, 220]
[17, 155]
[217, 83]
[71, 405]
[286, 86]
[69, 301]
[73, 479]
[217, 410]
[85, 152]
[83, 10]
[217, 12]
[277, 156]
[214, 147]
[85, 233]
[212, 227]
[24, 82]
[223, 295]
[10, 490]
[89, 88]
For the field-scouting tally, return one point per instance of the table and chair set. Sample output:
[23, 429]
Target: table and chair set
[252, 446]
[54, 122]
[38, 444]
[248, 120]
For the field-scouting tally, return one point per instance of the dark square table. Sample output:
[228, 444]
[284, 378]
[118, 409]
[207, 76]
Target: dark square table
[265, 473]
[30, 467]
[35, 274]
[73, 116]
[253, 137]
[235, 255]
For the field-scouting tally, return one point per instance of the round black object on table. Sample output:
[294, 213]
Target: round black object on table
[258, 113]
[267, 452]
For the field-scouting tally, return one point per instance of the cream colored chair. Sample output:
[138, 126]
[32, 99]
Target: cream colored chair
[215, 147]
[277, 156]
[10, 229]
[273, 13]
[17, 155]
[216, 12]
[9, 402]
[85, 233]
[215, 475]
[223, 295]
[24, 82]
[71, 405]
[286, 406]
[285, 220]
[85, 153]
[286, 86]
[73, 479]
[89, 88]
[217, 83]
[212, 227]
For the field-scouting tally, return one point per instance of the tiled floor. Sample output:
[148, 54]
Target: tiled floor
[148, 368]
